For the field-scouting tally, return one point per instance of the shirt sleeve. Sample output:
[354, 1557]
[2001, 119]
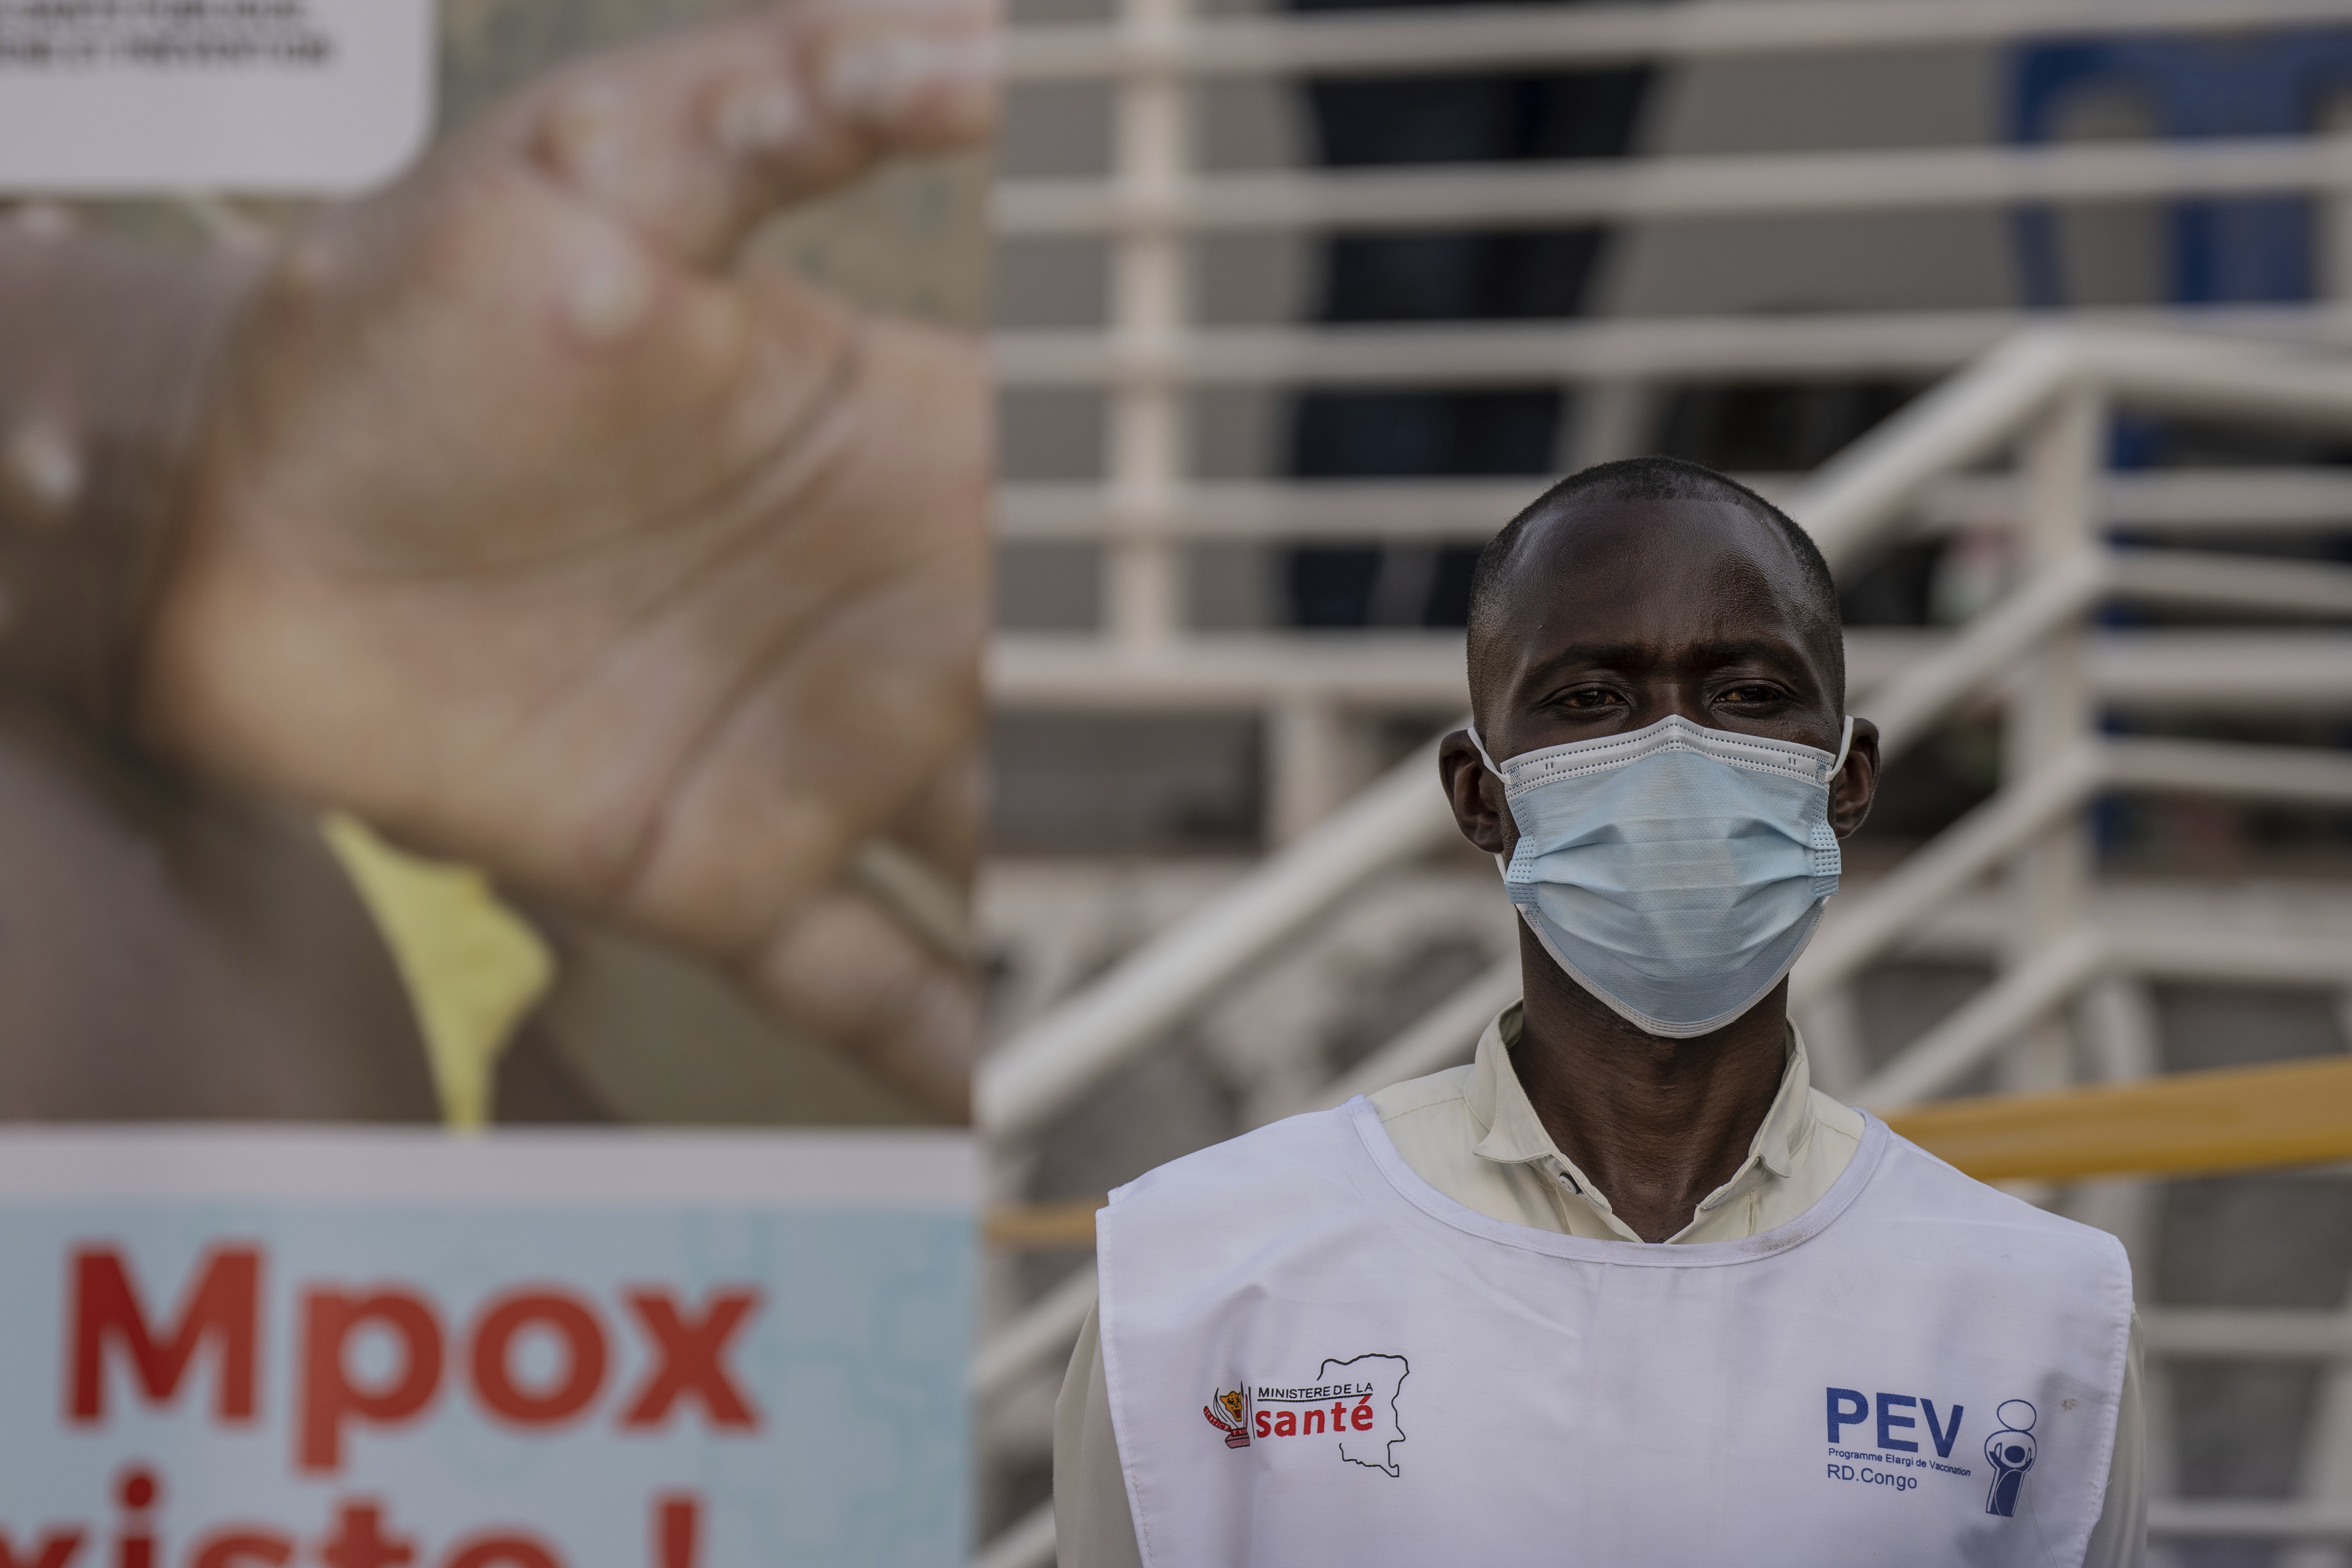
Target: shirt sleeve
[1092, 1525]
[2120, 1538]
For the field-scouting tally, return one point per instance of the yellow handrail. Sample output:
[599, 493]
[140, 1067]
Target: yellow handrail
[2236, 1119]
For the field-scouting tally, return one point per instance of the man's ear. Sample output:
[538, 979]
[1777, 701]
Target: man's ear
[1476, 796]
[1856, 784]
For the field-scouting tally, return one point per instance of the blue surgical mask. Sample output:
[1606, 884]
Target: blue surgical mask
[1675, 872]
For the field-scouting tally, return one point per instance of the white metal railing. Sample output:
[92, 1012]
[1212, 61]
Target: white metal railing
[1156, 199]
[1750, 185]
[1030, 1079]
[1916, 343]
[2047, 395]
[1526, 37]
[1463, 511]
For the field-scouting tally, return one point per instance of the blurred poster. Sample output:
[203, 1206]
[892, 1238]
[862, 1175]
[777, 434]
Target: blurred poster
[287, 96]
[378, 1192]
[234, 1348]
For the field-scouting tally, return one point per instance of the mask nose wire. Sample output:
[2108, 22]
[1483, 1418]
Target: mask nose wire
[1846, 744]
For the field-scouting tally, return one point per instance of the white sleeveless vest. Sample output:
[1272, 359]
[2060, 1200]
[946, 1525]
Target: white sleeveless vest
[1314, 1357]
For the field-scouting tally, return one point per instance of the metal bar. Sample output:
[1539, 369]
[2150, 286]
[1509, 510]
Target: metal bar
[1398, 672]
[2184, 372]
[1975, 414]
[2228, 499]
[1610, 35]
[1954, 1047]
[1881, 919]
[2232, 581]
[2235, 500]
[1648, 190]
[1347, 509]
[1028, 1544]
[2174, 1519]
[1047, 1068]
[2048, 710]
[1920, 343]
[1957, 1046]
[2174, 669]
[2307, 774]
[1492, 354]
[2282, 671]
[1956, 424]
[1433, 1040]
[2231, 954]
[1047, 1327]
[1878, 920]
[1149, 427]
[1911, 705]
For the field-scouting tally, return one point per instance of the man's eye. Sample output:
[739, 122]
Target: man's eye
[1591, 696]
[1750, 694]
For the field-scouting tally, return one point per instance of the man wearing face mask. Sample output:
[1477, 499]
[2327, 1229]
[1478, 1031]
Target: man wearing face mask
[1439, 1320]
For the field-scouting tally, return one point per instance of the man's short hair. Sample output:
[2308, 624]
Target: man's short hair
[1649, 479]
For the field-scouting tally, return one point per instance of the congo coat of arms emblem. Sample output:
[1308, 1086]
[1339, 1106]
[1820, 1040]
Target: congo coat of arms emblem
[1235, 1421]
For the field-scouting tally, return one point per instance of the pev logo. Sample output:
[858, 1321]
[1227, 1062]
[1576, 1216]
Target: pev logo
[1893, 1424]
[1352, 1401]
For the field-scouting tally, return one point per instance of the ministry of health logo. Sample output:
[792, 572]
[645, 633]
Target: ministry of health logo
[1350, 1405]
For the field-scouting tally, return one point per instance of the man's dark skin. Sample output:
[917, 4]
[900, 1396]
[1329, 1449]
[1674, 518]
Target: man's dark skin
[1615, 614]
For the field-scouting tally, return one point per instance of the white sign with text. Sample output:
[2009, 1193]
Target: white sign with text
[287, 97]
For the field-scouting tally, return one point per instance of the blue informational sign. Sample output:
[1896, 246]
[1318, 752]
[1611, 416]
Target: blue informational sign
[238, 1348]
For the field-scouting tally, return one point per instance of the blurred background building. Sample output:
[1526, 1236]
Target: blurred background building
[1295, 308]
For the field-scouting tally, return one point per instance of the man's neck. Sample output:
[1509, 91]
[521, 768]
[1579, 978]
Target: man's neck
[1657, 1125]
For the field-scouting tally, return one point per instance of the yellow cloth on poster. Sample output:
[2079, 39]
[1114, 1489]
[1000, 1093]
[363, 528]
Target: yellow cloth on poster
[474, 968]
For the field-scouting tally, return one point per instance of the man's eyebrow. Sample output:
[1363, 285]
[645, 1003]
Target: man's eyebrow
[1713, 653]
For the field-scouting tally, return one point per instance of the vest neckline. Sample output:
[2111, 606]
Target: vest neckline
[1409, 1186]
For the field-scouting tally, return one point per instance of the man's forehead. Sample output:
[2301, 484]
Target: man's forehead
[1654, 559]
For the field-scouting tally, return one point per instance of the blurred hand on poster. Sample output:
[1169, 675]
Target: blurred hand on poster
[522, 517]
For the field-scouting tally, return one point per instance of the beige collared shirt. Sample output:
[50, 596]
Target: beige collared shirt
[1472, 1133]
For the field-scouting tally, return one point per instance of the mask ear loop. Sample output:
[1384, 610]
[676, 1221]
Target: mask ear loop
[1480, 746]
[1502, 862]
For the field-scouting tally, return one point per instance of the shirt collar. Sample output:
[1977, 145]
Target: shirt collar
[1514, 1135]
